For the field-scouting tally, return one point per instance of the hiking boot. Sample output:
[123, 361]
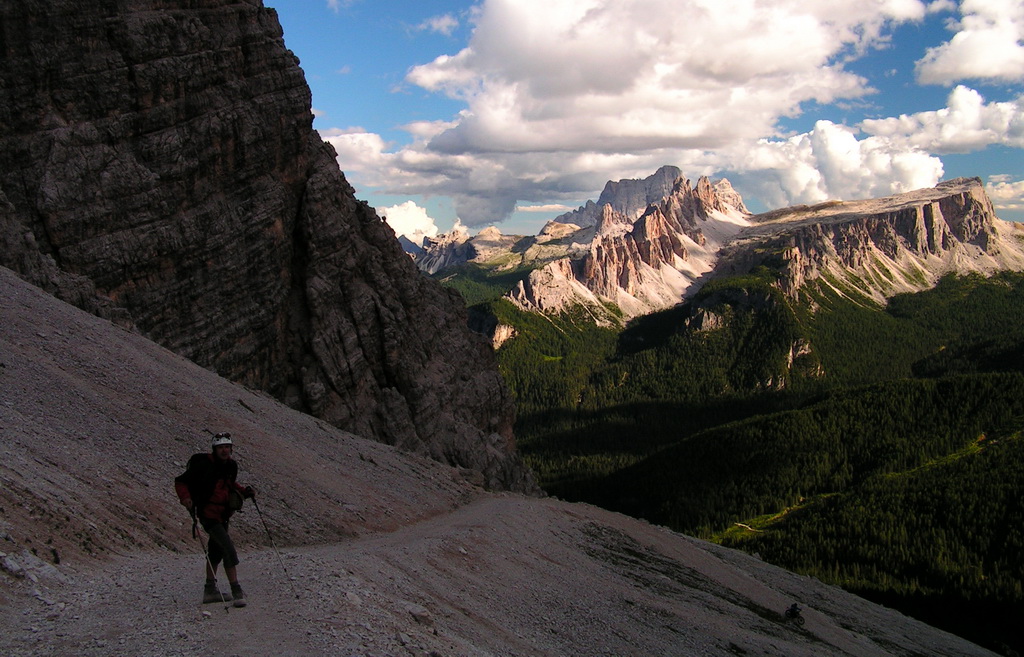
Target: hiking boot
[212, 594]
[238, 595]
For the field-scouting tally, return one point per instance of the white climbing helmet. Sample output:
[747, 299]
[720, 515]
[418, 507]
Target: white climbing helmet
[223, 438]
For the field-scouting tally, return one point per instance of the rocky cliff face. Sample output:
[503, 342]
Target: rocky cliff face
[642, 263]
[446, 250]
[881, 247]
[629, 197]
[458, 247]
[864, 250]
[158, 167]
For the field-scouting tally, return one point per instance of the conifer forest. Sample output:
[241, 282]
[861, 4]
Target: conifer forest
[876, 448]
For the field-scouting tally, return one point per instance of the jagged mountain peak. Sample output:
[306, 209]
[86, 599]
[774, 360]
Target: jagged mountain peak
[632, 196]
[640, 263]
[629, 251]
[629, 197]
[730, 196]
[611, 222]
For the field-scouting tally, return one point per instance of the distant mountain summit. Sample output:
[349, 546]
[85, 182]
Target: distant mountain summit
[629, 197]
[639, 263]
[457, 247]
[880, 247]
[639, 249]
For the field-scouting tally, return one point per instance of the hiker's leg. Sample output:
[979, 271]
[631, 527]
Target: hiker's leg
[222, 547]
[215, 554]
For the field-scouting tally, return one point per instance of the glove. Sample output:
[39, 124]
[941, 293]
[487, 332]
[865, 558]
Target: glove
[249, 492]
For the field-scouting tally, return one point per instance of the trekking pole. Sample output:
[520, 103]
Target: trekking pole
[272, 543]
[206, 553]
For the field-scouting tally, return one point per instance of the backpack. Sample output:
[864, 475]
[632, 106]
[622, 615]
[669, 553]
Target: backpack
[235, 500]
[200, 476]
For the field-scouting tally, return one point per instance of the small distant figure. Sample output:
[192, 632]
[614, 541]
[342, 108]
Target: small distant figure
[209, 491]
[793, 614]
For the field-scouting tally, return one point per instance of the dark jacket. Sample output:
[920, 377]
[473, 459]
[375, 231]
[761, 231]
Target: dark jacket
[207, 483]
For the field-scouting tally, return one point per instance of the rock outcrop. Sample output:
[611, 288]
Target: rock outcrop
[158, 167]
[457, 247]
[629, 197]
[446, 250]
[547, 289]
[880, 247]
[554, 230]
[641, 263]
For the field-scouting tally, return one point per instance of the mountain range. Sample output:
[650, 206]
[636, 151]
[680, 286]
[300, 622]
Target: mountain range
[180, 255]
[640, 248]
[635, 252]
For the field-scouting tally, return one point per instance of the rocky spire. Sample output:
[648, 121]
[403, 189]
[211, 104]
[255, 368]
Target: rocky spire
[645, 262]
[628, 197]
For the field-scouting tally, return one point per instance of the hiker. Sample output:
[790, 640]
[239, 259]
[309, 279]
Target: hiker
[209, 491]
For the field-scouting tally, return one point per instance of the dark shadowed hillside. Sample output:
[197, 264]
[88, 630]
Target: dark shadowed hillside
[158, 166]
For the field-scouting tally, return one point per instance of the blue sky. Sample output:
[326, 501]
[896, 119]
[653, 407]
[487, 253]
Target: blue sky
[510, 112]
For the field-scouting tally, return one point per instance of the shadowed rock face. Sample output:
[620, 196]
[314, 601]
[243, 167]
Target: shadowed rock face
[158, 167]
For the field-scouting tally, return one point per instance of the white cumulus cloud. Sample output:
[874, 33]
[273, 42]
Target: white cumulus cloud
[966, 124]
[444, 24]
[1006, 194]
[563, 95]
[988, 44]
[830, 162]
[357, 149]
[941, 6]
[410, 220]
[603, 75]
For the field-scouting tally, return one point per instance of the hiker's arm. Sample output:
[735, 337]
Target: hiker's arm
[247, 492]
[181, 488]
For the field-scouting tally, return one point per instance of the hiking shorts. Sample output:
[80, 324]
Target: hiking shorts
[222, 548]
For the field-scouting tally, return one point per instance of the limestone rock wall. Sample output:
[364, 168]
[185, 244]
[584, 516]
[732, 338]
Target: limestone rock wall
[881, 247]
[629, 197]
[158, 167]
[642, 263]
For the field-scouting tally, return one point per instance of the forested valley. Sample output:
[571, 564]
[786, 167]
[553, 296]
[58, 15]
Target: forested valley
[876, 448]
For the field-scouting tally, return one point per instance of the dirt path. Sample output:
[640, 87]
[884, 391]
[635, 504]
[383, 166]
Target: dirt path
[503, 575]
